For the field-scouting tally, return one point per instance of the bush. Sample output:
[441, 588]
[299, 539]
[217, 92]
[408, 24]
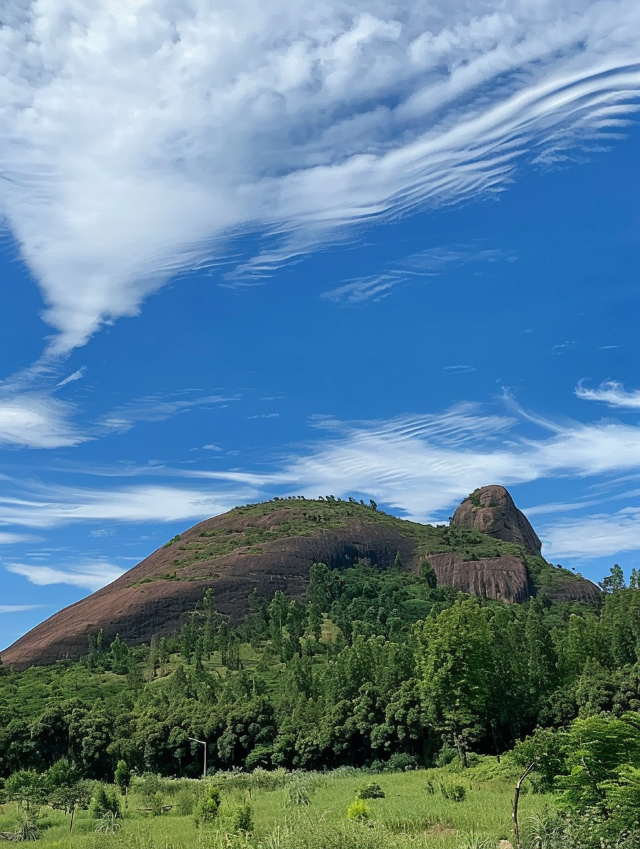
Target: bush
[453, 792]
[148, 786]
[358, 810]
[109, 823]
[370, 791]
[243, 819]
[105, 801]
[157, 802]
[299, 790]
[207, 810]
[446, 755]
[400, 762]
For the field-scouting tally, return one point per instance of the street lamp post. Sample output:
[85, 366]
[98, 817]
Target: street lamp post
[202, 743]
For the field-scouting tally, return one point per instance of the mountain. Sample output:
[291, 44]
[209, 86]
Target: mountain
[489, 549]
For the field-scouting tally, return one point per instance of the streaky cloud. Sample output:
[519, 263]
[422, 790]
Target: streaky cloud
[589, 537]
[136, 146]
[89, 576]
[18, 608]
[418, 465]
[611, 393]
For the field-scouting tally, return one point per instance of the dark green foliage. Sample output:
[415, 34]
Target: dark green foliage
[548, 748]
[105, 801]
[453, 791]
[206, 811]
[377, 668]
[371, 791]
[243, 818]
[122, 776]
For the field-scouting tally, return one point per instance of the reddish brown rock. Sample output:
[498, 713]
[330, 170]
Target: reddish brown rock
[155, 596]
[504, 578]
[492, 511]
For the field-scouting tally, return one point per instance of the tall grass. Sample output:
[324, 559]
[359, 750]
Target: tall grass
[309, 811]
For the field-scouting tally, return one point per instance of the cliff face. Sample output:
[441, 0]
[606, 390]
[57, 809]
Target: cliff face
[492, 511]
[503, 578]
[272, 546]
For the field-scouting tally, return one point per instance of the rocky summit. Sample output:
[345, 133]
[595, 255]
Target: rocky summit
[489, 549]
[492, 511]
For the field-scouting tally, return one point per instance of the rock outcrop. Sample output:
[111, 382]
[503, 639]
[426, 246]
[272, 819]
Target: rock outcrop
[492, 511]
[503, 578]
[272, 546]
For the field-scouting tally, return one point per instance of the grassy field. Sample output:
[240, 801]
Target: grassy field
[415, 812]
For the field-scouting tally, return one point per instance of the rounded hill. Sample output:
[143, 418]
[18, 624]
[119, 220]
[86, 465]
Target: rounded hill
[271, 546]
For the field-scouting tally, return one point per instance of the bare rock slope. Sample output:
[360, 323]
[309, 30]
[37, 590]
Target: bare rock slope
[272, 546]
[492, 511]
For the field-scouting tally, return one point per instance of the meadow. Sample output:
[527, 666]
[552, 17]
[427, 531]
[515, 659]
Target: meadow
[434, 808]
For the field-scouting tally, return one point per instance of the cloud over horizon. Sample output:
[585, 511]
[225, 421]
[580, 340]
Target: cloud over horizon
[420, 466]
[89, 576]
[137, 144]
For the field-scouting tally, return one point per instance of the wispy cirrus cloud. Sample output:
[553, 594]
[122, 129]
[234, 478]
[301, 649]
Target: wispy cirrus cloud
[598, 535]
[418, 465]
[611, 393]
[38, 420]
[53, 506]
[427, 263]
[17, 608]
[15, 539]
[88, 576]
[156, 408]
[117, 175]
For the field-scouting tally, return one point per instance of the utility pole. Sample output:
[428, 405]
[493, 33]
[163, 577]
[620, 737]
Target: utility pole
[202, 743]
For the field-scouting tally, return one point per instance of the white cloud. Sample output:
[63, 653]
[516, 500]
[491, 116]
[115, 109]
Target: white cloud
[36, 420]
[77, 375]
[154, 409]
[13, 539]
[135, 143]
[421, 466]
[58, 505]
[589, 537]
[611, 393]
[90, 576]
[427, 263]
[18, 608]
[460, 369]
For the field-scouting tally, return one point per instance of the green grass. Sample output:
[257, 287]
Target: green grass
[414, 813]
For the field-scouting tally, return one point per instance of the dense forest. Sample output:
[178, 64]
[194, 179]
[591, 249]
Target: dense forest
[378, 669]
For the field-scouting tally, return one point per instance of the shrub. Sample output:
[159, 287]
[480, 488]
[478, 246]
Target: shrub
[370, 791]
[400, 762]
[157, 802]
[243, 819]
[446, 755]
[105, 802]
[109, 823]
[26, 830]
[358, 810]
[453, 792]
[148, 786]
[207, 810]
[298, 790]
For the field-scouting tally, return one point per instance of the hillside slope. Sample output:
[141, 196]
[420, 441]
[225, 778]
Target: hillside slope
[271, 546]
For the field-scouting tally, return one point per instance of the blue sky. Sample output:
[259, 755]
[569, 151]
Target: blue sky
[385, 251]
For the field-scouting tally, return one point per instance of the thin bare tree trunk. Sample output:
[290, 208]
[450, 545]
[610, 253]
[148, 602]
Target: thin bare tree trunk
[516, 800]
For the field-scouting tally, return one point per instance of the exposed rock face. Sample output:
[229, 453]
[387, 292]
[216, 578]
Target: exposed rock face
[491, 510]
[155, 596]
[504, 578]
[138, 610]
